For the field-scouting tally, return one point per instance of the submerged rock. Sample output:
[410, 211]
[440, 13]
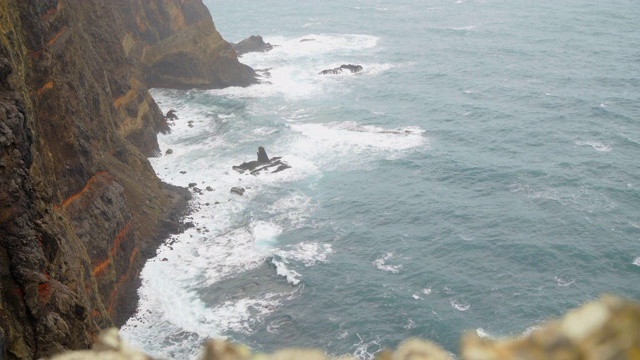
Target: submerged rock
[339, 70]
[264, 163]
[253, 43]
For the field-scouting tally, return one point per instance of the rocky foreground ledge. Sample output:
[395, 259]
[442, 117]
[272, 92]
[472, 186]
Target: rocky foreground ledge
[606, 329]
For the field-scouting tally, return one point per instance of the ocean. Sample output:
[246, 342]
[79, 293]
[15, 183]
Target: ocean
[482, 173]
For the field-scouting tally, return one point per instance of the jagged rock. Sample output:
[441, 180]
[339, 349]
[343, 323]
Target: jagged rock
[253, 43]
[262, 155]
[263, 163]
[192, 184]
[171, 115]
[339, 70]
[237, 190]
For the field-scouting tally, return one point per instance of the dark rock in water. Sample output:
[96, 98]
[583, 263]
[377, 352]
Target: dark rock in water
[339, 70]
[165, 259]
[306, 40]
[183, 172]
[262, 164]
[197, 190]
[253, 43]
[168, 152]
[209, 188]
[171, 115]
[192, 184]
[237, 190]
[262, 155]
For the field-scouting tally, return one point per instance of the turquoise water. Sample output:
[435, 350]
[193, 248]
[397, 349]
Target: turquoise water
[481, 173]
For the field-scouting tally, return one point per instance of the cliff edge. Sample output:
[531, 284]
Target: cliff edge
[81, 208]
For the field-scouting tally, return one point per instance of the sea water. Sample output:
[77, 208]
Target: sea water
[481, 173]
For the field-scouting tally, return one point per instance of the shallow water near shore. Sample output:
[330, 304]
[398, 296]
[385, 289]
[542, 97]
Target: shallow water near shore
[481, 173]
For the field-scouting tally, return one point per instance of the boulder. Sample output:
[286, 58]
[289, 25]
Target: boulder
[169, 152]
[262, 155]
[237, 190]
[339, 70]
[253, 43]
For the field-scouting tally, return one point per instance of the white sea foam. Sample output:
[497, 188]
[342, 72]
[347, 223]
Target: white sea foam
[381, 264]
[597, 145]
[307, 253]
[459, 305]
[337, 144]
[426, 291]
[636, 262]
[292, 276]
[563, 281]
[585, 199]
[483, 334]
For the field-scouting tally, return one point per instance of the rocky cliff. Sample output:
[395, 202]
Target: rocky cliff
[81, 209]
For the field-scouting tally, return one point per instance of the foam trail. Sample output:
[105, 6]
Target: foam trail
[636, 262]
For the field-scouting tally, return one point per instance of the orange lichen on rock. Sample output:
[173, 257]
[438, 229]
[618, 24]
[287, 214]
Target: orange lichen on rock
[124, 278]
[119, 238]
[45, 87]
[57, 36]
[99, 269]
[77, 195]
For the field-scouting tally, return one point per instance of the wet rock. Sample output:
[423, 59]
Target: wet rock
[209, 188]
[253, 43]
[264, 163]
[192, 184]
[169, 152]
[343, 68]
[183, 172]
[237, 190]
[307, 40]
[171, 115]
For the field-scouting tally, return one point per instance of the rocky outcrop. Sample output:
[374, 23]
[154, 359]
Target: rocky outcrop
[176, 45]
[81, 209]
[264, 163]
[342, 68]
[608, 329]
[253, 43]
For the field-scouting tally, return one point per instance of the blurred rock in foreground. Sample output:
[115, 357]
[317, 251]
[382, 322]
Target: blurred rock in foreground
[606, 329]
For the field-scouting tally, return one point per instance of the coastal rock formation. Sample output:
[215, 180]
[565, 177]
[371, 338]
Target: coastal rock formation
[608, 329]
[263, 163]
[177, 45]
[342, 68]
[81, 208]
[253, 43]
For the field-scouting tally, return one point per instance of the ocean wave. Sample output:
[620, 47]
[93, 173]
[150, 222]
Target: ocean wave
[381, 264]
[585, 199]
[596, 145]
[636, 262]
[459, 305]
[292, 276]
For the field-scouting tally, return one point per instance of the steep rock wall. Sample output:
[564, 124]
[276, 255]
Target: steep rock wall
[178, 46]
[80, 206]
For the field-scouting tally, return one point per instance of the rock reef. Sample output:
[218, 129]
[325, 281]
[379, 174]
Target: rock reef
[81, 208]
[608, 329]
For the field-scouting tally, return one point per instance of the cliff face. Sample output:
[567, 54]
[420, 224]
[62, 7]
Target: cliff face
[81, 209]
[177, 45]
